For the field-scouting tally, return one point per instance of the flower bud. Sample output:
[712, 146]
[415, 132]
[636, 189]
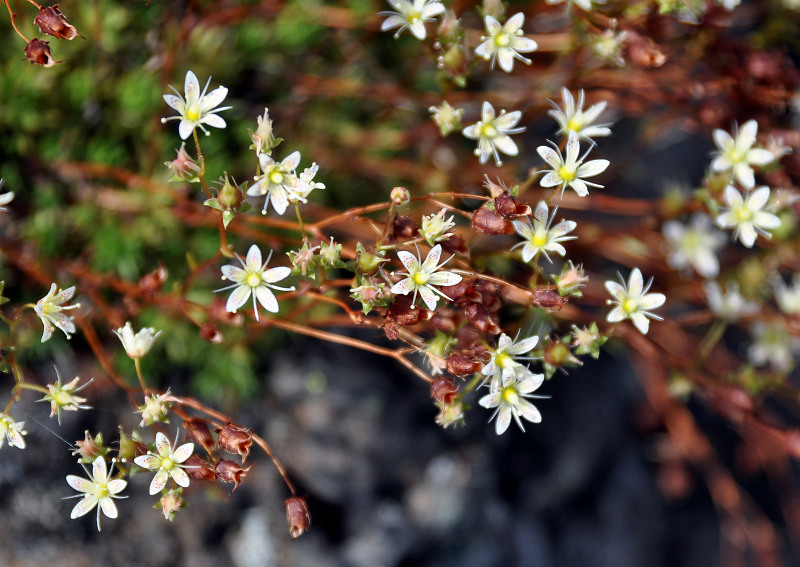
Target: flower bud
[52, 22]
[330, 254]
[303, 260]
[435, 227]
[171, 502]
[297, 516]
[89, 448]
[228, 471]
[230, 196]
[450, 414]
[444, 390]
[263, 138]
[367, 261]
[197, 427]
[235, 439]
[37, 52]
[400, 196]
[199, 469]
[490, 222]
[183, 167]
[557, 354]
[570, 280]
[155, 409]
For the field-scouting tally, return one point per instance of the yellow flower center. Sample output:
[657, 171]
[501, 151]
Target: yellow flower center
[510, 396]
[575, 123]
[743, 214]
[167, 464]
[276, 177]
[253, 280]
[488, 131]
[567, 173]
[100, 490]
[502, 40]
[630, 305]
[193, 112]
[421, 278]
[539, 238]
[62, 398]
[736, 156]
[502, 359]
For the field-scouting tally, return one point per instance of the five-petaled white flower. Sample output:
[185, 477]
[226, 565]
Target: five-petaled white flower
[694, 244]
[570, 172]
[435, 227]
[197, 109]
[423, 277]
[98, 490]
[254, 280]
[11, 430]
[278, 181]
[504, 43]
[574, 119]
[730, 305]
[411, 15]
[305, 185]
[167, 462]
[492, 133]
[504, 360]
[738, 154]
[5, 198]
[137, 344]
[49, 310]
[539, 237]
[62, 396]
[509, 399]
[633, 302]
[748, 216]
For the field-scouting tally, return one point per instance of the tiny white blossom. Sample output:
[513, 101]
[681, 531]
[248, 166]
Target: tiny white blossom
[263, 138]
[435, 227]
[505, 43]
[695, 244]
[277, 181]
[98, 490]
[49, 310]
[509, 398]
[305, 185]
[5, 198]
[788, 297]
[504, 361]
[137, 344]
[570, 172]
[773, 346]
[411, 14]
[736, 153]
[197, 109]
[633, 302]
[11, 430]
[168, 462]
[748, 216]
[446, 117]
[423, 277]
[155, 409]
[539, 237]
[492, 133]
[574, 119]
[729, 305]
[62, 396]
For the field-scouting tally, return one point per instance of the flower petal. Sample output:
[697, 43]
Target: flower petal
[159, 482]
[428, 297]
[108, 507]
[183, 452]
[180, 477]
[267, 299]
[80, 484]
[410, 261]
[237, 298]
[84, 506]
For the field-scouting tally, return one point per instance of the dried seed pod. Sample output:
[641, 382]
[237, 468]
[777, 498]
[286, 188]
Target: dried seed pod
[445, 321]
[460, 365]
[297, 516]
[506, 205]
[547, 299]
[228, 471]
[211, 333]
[443, 390]
[52, 22]
[454, 245]
[151, 283]
[490, 222]
[403, 228]
[235, 439]
[198, 428]
[37, 52]
[483, 320]
[200, 469]
[642, 50]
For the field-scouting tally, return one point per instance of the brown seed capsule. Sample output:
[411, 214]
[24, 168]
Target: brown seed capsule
[297, 516]
[642, 50]
[52, 22]
[483, 320]
[198, 428]
[199, 469]
[37, 52]
[151, 283]
[403, 228]
[460, 365]
[489, 222]
[443, 390]
[547, 299]
[211, 333]
[235, 439]
[228, 471]
[508, 206]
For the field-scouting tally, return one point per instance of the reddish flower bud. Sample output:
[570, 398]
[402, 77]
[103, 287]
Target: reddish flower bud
[235, 439]
[38, 53]
[400, 196]
[52, 22]
[489, 222]
[211, 333]
[483, 320]
[199, 469]
[151, 283]
[460, 365]
[508, 206]
[198, 429]
[547, 299]
[297, 516]
[443, 390]
[228, 471]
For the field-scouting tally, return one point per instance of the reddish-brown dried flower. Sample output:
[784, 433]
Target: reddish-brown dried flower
[459, 364]
[642, 50]
[199, 469]
[297, 516]
[52, 22]
[403, 228]
[151, 283]
[38, 53]
[403, 312]
[483, 320]
[228, 471]
[235, 439]
[444, 390]
[211, 333]
[547, 299]
[490, 222]
[198, 429]
[506, 205]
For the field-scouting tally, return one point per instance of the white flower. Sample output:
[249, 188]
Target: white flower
[492, 133]
[197, 109]
[633, 302]
[98, 490]
[155, 409]
[5, 198]
[694, 244]
[447, 118]
[503, 362]
[737, 153]
[167, 462]
[62, 396]
[748, 215]
[49, 310]
[411, 15]
[773, 346]
[570, 172]
[574, 119]
[254, 280]
[305, 185]
[422, 278]
[263, 138]
[504, 43]
[435, 227]
[540, 237]
[276, 181]
[788, 298]
[730, 305]
[11, 430]
[509, 399]
[137, 345]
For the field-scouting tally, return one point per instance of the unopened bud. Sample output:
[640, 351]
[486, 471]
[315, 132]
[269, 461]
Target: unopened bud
[400, 196]
[297, 516]
[229, 471]
[52, 22]
[89, 448]
[444, 390]
[230, 197]
[367, 261]
[447, 118]
[37, 52]
[183, 167]
[170, 503]
[235, 439]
